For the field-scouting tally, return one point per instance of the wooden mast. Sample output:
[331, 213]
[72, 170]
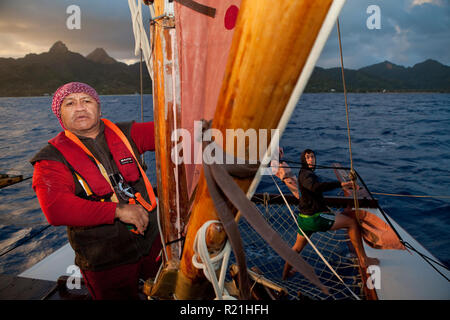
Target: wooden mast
[171, 181]
[271, 44]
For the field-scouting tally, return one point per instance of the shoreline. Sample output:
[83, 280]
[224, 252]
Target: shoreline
[319, 92]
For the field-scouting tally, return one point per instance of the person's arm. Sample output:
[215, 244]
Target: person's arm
[311, 182]
[143, 135]
[55, 189]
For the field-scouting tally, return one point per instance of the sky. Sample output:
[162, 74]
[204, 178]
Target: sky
[404, 32]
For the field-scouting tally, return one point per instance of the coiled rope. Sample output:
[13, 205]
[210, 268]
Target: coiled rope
[210, 265]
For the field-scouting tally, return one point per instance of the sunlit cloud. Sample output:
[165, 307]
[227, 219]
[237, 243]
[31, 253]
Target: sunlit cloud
[129, 61]
[439, 3]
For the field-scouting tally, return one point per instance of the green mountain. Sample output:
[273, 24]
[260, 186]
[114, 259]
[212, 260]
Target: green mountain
[429, 75]
[39, 74]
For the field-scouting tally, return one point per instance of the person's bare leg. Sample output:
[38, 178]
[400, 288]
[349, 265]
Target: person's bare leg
[300, 243]
[342, 221]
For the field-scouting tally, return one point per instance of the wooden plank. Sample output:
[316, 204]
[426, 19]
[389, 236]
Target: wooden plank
[7, 180]
[18, 288]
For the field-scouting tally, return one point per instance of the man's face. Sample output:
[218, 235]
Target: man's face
[80, 113]
[310, 160]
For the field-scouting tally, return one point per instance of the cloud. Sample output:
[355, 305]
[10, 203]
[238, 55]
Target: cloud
[411, 30]
[408, 35]
[33, 27]
[421, 2]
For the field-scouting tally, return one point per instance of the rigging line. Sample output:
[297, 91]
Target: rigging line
[377, 193]
[175, 105]
[311, 243]
[409, 195]
[428, 259]
[351, 175]
[24, 240]
[345, 93]
[142, 88]
[405, 243]
[316, 166]
[142, 95]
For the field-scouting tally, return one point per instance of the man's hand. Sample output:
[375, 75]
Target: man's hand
[133, 214]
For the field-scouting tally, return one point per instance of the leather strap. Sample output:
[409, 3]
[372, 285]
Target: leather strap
[198, 7]
[102, 169]
[226, 216]
[148, 185]
[239, 200]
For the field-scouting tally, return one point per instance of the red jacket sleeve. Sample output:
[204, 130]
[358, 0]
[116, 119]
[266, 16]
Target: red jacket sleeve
[55, 189]
[143, 135]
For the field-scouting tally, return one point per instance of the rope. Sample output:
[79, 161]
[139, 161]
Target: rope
[142, 88]
[352, 171]
[345, 94]
[24, 240]
[209, 265]
[405, 243]
[161, 234]
[377, 193]
[140, 34]
[312, 244]
[409, 195]
[175, 128]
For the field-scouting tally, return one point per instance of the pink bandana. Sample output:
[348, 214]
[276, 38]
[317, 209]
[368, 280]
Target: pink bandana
[65, 90]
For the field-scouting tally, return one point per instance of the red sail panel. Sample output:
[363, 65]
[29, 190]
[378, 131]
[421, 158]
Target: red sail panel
[204, 33]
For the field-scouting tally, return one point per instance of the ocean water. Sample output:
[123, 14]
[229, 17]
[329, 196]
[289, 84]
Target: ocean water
[400, 144]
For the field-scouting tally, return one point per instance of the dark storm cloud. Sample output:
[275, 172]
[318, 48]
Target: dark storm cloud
[409, 34]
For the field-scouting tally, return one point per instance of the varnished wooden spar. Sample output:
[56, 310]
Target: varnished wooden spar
[7, 180]
[171, 181]
[271, 44]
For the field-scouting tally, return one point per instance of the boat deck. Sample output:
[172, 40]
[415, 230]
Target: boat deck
[403, 274]
[20, 288]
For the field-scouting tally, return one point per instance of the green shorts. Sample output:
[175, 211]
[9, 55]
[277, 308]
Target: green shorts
[321, 221]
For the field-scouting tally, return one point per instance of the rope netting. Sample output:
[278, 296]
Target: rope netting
[334, 246]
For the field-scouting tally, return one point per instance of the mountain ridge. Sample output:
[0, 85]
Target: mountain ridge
[42, 74]
[426, 76]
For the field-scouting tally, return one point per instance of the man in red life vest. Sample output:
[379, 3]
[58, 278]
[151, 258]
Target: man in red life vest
[89, 179]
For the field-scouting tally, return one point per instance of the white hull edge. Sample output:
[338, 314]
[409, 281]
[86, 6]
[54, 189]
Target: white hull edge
[59, 263]
[405, 275]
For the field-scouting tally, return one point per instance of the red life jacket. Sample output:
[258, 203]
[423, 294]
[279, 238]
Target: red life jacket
[77, 156]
